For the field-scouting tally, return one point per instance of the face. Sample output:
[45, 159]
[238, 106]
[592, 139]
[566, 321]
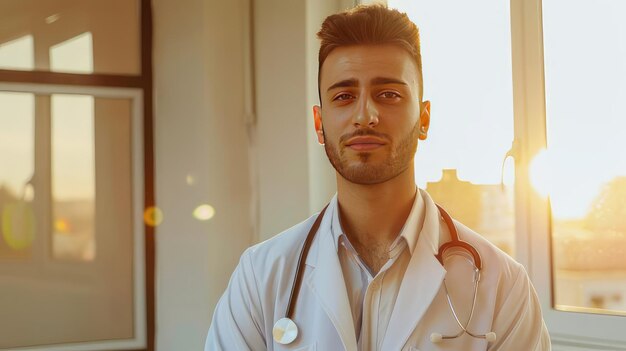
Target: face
[371, 117]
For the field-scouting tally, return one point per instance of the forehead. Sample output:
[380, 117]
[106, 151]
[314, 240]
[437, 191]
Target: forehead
[364, 62]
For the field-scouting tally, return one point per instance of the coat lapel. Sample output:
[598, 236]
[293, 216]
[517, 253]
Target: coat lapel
[422, 280]
[327, 281]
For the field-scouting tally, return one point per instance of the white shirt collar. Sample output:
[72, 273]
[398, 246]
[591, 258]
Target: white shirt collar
[410, 230]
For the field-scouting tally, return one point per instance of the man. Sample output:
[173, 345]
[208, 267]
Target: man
[370, 279]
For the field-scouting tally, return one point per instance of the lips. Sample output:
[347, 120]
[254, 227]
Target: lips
[365, 143]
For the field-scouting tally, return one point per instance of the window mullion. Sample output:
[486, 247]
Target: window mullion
[42, 177]
[530, 131]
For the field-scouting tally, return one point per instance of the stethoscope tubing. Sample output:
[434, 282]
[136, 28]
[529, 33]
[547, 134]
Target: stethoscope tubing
[295, 288]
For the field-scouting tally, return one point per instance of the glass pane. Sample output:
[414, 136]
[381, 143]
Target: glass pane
[73, 177]
[73, 55]
[467, 78]
[17, 226]
[17, 54]
[70, 277]
[75, 36]
[585, 68]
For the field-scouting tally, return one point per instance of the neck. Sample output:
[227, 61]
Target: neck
[373, 215]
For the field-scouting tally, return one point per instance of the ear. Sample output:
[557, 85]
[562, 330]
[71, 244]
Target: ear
[317, 117]
[424, 120]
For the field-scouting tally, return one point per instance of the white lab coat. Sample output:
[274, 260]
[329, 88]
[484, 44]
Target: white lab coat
[259, 289]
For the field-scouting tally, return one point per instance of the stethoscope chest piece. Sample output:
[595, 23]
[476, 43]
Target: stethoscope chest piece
[285, 331]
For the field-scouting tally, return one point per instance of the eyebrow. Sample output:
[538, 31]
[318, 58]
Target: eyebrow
[353, 82]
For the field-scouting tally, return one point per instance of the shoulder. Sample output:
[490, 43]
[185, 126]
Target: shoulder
[283, 242]
[268, 258]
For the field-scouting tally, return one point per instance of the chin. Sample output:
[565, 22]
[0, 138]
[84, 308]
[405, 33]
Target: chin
[367, 175]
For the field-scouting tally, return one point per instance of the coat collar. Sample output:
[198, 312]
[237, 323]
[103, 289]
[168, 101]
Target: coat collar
[327, 281]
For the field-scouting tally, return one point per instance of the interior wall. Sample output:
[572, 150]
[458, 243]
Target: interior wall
[280, 75]
[201, 158]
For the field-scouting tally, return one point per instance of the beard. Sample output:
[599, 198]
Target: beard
[366, 171]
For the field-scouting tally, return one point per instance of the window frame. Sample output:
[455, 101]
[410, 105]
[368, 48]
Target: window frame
[45, 264]
[568, 330]
[139, 88]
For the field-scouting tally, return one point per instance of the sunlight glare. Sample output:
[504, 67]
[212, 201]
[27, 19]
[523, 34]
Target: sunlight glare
[540, 173]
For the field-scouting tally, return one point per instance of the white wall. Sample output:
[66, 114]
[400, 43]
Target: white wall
[260, 178]
[200, 132]
[322, 184]
[280, 74]
[295, 178]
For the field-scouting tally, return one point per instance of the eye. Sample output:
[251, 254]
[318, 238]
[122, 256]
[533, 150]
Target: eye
[389, 95]
[342, 97]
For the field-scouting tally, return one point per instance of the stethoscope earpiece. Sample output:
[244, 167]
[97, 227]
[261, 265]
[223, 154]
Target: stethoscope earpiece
[436, 338]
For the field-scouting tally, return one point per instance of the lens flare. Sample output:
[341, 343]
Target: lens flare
[62, 226]
[18, 225]
[190, 179]
[204, 212]
[153, 216]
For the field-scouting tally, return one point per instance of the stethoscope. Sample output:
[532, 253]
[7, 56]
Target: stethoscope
[286, 331]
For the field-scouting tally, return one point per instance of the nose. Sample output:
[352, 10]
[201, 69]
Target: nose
[366, 114]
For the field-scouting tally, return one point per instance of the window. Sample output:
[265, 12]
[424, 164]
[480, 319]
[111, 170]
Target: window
[76, 259]
[585, 140]
[31, 26]
[80, 262]
[577, 161]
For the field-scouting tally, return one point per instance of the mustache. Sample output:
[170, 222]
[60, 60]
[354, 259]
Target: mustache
[363, 132]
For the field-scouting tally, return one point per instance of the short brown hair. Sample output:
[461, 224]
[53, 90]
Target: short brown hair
[369, 25]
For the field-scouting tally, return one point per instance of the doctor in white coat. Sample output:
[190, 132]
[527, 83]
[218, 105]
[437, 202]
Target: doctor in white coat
[370, 280]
